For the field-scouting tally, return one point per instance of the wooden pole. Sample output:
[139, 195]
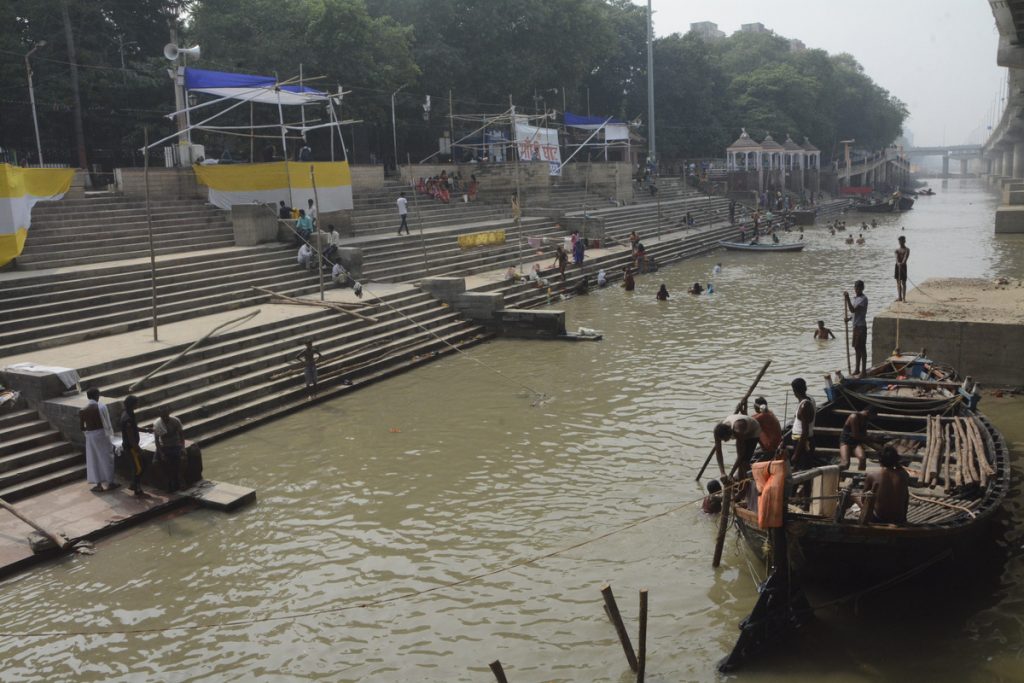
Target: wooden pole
[641, 664]
[723, 521]
[419, 218]
[61, 542]
[499, 673]
[738, 406]
[846, 326]
[319, 232]
[307, 302]
[612, 610]
[149, 226]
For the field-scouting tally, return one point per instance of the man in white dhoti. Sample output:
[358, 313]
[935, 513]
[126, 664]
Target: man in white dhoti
[99, 449]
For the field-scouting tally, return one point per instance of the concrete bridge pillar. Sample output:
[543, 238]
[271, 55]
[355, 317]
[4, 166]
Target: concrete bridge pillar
[1008, 168]
[1018, 159]
[963, 167]
[945, 166]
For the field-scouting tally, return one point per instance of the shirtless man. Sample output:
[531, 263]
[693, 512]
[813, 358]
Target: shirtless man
[822, 332]
[853, 438]
[858, 308]
[891, 487]
[900, 272]
[310, 356]
[746, 431]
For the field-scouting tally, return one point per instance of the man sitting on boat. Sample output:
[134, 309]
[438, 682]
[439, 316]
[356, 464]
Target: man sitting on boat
[891, 488]
[853, 438]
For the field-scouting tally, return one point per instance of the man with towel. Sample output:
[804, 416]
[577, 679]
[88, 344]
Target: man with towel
[99, 449]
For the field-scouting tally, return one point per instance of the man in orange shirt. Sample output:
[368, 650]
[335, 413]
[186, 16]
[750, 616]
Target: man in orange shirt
[771, 431]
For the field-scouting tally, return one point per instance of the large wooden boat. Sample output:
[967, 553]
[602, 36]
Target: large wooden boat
[958, 464]
[767, 246]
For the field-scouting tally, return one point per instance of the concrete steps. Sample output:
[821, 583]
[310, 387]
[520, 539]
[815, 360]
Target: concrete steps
[85, 231]
[33, 456]
[60, 309]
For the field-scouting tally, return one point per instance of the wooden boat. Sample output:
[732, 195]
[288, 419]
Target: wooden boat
[905, 203]
[885, 206]
[958, 464]
[926, 192]
[746, 246]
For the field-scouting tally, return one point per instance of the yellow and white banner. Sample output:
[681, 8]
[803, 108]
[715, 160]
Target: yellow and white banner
[20, 189]
[268, 183]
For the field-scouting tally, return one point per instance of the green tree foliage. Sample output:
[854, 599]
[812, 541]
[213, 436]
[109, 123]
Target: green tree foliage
[551, 53]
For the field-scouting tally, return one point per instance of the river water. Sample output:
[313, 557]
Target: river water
[370, 508]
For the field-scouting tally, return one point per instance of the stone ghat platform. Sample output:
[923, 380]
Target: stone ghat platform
[975, 325]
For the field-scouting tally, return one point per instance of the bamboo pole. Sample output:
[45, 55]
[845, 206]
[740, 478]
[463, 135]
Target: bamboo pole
[319, 223]
[499, 673]
[738, 406]
[612, 610]
[642, 639]
[322, 304]
[723, 521]
[846, 327]
[61, 542]
[948, 448]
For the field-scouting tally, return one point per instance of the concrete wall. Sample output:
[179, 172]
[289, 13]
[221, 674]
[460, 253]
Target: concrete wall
[497, 181]
[610, 179]
[989, 352]
[366, 177]
[253, 224]
[164, 183]
[531, 324]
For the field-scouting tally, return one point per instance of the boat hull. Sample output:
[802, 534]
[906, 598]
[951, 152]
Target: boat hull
[741, 246]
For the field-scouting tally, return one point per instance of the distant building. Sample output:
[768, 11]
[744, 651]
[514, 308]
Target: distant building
[756, 27]
[796, 45]
[707, 30]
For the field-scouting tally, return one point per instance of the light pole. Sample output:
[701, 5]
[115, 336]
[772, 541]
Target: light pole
[32, 99]
[394, 129]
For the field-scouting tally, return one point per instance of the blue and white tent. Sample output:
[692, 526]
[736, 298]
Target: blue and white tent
[249, 87]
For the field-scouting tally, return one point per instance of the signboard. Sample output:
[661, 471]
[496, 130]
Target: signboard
[538, 144]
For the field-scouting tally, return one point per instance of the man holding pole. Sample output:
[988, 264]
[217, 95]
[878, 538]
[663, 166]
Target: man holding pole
[858, 309]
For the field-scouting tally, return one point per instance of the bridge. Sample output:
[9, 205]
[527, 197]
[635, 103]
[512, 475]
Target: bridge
[963, 153]
[1004, 150]
[884, 168]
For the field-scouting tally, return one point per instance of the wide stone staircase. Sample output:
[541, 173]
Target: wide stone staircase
[34, 456]
[74, 232]
[66, 307]
[376, 213]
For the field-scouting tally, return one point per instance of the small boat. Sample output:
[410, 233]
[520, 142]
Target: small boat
[747, 246]
[905, 203]
[885, 206]
[957, 461]
[926, 192]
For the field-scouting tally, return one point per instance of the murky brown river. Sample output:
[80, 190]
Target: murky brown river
[370, 507]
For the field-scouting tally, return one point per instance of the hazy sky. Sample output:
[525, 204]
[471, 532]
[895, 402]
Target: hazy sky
[938, 56]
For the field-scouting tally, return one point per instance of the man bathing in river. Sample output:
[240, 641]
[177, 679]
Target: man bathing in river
[823, 332]
[900, 272]
[853, 438]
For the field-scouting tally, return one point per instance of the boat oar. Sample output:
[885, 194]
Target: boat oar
[739, 405]
[846, 325]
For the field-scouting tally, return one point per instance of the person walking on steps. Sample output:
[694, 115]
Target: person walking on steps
[403, 213]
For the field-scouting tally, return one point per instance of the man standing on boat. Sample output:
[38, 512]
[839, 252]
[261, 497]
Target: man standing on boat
[802, 433]
[746, 431]
[858, 308]
[853, 438]
[902, 254]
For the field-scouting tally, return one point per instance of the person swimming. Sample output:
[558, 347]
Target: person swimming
[696, 289]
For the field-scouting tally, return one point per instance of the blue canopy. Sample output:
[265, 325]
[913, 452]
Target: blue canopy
[577, 121]
[248, 87]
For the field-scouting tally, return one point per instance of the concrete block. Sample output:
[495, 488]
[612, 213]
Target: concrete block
[1010, 219]
[351, 259]
[531, 324]
[366, 176]
[481, 306]
[62, 414]
[446, 289]
[34, 387]
[342, 220]
[590, 228]
[1013, 197]
[254, 224]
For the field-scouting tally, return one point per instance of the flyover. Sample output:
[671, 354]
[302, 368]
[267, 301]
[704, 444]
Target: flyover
[1004, 150]
[962, 153]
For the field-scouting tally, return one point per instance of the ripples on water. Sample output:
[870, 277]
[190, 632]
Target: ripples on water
[473, 479]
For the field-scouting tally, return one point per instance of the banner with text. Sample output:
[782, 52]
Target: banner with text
[538, 144]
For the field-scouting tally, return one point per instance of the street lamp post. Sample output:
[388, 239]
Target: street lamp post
[32, 99]
[394, 129]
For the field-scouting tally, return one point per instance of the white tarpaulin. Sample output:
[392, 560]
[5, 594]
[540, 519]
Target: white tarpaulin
[538, 144]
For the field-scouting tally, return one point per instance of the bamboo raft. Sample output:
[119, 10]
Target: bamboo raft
[958, 464]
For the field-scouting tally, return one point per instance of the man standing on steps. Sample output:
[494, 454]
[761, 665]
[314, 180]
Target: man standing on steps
[130, 442]
[902, 254]
[310, 356]
[170, 446]
[99, 449]
[858, 308]
[403, 213]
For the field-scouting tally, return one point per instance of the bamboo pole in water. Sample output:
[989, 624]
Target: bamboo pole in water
[642, 639]
[723, 521]
[499, 673]
[612, 610]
